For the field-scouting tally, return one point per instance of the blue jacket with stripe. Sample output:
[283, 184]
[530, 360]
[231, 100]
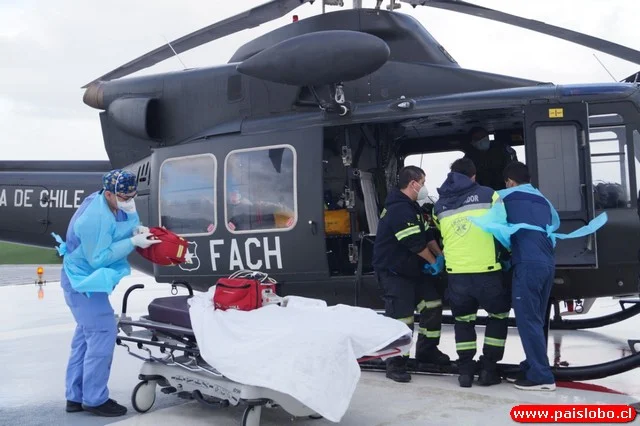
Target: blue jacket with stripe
[402, 234]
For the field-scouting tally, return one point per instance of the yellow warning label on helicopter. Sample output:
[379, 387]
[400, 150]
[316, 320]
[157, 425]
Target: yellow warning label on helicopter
[556, 112]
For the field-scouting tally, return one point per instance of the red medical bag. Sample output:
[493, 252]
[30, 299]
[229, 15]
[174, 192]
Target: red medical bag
[171, 251]
[244, 293]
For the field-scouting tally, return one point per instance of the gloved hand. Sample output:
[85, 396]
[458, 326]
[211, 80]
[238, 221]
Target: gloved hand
[432, 268]
[142, 241]
[140, 230]
[440, 261]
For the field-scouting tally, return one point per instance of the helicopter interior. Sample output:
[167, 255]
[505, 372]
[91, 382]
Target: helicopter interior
[377, 152]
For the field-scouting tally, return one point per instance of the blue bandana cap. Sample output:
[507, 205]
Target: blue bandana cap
[120, 182]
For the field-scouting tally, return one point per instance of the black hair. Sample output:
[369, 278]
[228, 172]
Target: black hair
[464, 166]
[409, 173]
[517, 172]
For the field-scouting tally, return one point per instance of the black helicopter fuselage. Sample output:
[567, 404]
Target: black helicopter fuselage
[259, 174]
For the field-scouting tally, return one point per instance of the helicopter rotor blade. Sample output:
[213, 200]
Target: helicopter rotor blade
[599, 44]
[249, 19]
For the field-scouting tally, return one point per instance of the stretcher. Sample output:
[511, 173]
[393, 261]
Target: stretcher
[176, 367]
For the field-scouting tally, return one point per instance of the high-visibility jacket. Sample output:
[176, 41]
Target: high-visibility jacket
[467, 248]
[402, 234]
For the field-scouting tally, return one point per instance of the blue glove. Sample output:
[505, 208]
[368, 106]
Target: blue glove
[440, 262]
[433, 269]
[506, 264]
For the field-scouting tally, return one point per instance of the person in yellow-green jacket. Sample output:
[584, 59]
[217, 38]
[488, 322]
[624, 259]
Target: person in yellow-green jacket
[472, 262]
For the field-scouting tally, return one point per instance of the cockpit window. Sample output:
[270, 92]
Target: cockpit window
[188, 195]
[260, 189]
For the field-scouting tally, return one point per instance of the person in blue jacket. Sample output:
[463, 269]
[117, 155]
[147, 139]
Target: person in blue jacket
[101, 234]
[533, 263]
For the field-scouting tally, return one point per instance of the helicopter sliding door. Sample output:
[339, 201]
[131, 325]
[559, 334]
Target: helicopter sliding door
[557, 150]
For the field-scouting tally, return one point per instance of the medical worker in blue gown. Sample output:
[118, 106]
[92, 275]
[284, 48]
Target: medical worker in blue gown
[102, 233]
[528, 230]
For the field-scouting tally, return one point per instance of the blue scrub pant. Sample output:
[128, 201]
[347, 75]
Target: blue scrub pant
[531, 289]
[91, 348]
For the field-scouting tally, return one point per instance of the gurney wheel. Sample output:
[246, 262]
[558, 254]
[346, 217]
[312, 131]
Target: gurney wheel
[143, 396]
[251, 416]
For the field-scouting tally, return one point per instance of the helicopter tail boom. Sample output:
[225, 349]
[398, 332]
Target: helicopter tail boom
[40, 197]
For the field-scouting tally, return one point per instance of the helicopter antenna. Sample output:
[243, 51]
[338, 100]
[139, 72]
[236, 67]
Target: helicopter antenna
[605, 68]
[174, 52]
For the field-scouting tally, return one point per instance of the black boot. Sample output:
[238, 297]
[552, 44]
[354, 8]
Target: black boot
[432, 356]
[488, 378]
[108, 409]
[488, 372]
[465, 380]
[397, 369]
[466, 371]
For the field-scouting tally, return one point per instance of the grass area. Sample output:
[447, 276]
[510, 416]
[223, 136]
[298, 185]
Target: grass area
[17, 254]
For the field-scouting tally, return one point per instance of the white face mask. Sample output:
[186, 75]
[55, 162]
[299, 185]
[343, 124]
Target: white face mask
[482, 144]
[128, 206]
[423, 193]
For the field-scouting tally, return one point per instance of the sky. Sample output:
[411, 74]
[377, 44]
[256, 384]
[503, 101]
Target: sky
[49, 49]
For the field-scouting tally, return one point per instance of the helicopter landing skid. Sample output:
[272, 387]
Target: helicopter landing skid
[507, 371]
[559, 323]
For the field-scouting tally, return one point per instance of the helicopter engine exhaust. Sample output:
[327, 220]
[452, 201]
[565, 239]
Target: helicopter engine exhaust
[137, 116]
[318, 58]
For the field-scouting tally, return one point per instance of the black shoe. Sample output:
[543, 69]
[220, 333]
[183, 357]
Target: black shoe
[529, 385]
[465, 380]
[488, 378]
[74, 407]
[108, 409]
[433, 356]
[397, 369]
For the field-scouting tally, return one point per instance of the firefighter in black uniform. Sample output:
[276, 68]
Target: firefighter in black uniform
[406, 259]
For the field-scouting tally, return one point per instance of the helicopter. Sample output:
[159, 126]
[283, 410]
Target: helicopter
[280, 159]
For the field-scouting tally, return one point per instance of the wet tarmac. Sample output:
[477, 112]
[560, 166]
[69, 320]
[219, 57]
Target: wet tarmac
[26, 274]
[36, 335]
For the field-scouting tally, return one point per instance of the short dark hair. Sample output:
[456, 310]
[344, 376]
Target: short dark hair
[517, 172]
[464, 166]
[475, 130]
[409, 173]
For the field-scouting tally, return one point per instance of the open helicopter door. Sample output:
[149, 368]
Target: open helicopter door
[557, 150]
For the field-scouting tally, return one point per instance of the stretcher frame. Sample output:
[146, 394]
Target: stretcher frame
[181, 370]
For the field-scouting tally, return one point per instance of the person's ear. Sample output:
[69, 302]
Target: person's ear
[473, 178]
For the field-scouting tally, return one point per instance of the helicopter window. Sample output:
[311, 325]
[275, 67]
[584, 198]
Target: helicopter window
[436, 167]
[260, 189]
[609, 167]
[188, 195]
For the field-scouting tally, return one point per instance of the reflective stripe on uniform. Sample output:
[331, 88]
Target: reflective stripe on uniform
[491, 341]
[429, 333]
[503, 315]
[477, 206]
[466, 318]
[465, 346]
[407, 320]
[407, 232]
[467, 248]
[429, 304]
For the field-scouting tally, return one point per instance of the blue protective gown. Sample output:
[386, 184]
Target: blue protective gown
[95, 260]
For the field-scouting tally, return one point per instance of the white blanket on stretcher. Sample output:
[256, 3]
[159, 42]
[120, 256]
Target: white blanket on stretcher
[306, 349]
